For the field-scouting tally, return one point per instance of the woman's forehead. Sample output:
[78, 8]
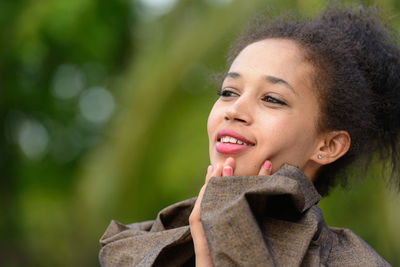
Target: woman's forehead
[281, 58]
[265, 52]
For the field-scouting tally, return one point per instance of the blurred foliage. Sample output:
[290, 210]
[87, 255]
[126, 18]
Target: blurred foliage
[103, 109]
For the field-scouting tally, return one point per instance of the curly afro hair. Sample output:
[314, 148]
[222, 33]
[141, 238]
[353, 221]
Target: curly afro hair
[357, 80]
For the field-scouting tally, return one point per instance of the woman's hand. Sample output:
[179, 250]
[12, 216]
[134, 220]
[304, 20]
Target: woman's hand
[201, 250]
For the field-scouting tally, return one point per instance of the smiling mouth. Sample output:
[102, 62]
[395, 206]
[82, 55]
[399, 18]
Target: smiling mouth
[227, 144]
[232, 140]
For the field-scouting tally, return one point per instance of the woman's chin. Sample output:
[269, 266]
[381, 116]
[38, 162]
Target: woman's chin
[243, 171]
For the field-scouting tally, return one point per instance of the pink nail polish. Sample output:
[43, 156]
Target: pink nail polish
[227, 171]
[267, 165]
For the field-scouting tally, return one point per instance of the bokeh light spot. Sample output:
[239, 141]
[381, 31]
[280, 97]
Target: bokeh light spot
[68, 82]
[158, 7]
[96, 104]
[33, 139]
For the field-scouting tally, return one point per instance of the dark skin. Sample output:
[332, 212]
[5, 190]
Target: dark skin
[277, 131]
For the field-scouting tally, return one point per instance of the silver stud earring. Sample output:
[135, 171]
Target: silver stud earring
[319, 156]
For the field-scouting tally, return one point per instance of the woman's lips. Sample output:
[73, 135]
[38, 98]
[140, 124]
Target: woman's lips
[228, 148]
[230, 142]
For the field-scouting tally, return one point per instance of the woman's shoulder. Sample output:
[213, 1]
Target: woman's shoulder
[348, 249]
[146, 243]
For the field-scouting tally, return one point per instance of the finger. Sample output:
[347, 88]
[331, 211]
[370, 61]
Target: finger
[229, 165]
[195, 215]
[209, 172]
[203, 188]
[228, 171]
[230, 162]
[215, 172]
[266, 168]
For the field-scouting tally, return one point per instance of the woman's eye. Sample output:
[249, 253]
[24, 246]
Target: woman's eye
[273, 100]
[226, 93]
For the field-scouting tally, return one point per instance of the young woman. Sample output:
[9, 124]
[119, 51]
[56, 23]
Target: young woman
[301, 102]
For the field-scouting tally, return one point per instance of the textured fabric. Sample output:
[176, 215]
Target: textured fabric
[248, 221]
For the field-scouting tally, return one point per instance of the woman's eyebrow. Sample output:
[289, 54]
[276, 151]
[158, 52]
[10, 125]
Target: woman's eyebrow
[268, 78]
[232, 75]
[275, 80]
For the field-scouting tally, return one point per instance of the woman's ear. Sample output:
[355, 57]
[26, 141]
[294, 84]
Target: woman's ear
[333, 145]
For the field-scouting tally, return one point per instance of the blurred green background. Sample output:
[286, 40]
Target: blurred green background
[103, 109]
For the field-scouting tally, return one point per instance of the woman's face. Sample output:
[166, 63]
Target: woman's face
[267, 109]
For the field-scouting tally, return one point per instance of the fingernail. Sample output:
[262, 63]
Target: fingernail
[267, 165]
[227, 171]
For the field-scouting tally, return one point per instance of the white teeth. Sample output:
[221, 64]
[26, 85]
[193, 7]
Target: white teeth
[228, 139]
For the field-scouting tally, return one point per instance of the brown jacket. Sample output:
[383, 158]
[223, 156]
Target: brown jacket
[248, 221]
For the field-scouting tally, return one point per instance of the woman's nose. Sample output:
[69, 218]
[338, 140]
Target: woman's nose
[240, 111]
